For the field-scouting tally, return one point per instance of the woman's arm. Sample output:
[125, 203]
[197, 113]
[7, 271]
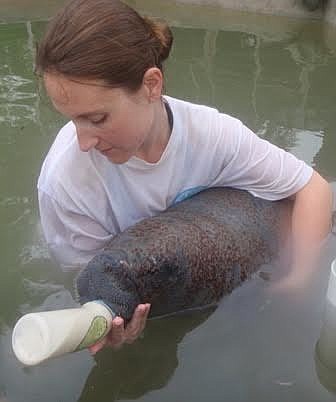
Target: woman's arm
[269, 172]
[311, 223]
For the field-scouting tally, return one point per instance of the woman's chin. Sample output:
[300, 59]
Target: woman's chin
[116, 157]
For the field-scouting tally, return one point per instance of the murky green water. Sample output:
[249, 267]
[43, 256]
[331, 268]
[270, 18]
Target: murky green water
[255, 346]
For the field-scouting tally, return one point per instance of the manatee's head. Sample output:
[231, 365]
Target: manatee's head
[108, 277]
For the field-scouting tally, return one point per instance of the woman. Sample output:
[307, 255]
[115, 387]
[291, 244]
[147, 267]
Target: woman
[129, 152]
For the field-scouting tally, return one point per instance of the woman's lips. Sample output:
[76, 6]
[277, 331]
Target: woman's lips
[105, 151]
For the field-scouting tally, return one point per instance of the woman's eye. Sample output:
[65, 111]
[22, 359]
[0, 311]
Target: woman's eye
[98, 121]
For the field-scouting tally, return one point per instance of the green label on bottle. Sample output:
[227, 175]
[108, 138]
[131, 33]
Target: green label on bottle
[97, 330]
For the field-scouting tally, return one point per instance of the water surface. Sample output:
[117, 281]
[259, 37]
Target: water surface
[256, 346]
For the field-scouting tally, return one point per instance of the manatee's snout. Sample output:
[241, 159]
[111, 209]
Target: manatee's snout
[108, 277]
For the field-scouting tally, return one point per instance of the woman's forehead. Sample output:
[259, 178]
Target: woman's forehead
[79, 97]
[64, 88]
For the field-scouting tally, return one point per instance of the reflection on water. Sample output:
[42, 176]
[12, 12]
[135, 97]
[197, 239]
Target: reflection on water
[256, 345]
[278, 87]
[144, 366]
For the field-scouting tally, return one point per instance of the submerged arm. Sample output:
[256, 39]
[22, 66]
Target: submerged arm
[311, 223]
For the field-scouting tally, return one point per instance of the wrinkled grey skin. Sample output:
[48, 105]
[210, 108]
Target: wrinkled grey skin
[188, 256]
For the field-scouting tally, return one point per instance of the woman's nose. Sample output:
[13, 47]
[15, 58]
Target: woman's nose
[86, 139]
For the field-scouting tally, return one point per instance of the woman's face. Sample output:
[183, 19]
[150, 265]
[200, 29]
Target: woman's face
[117, 123]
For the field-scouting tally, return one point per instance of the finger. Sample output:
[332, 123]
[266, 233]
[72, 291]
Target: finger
[136, 319]
[93, 349]
[132, 336]
[144, 318]
[117, 334]
[137, 323]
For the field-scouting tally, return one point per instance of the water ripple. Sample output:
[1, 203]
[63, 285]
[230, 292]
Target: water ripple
[15, 114]
[14, 88]
[13, 81]
[34, 252]
[41, 288]
[7, 201]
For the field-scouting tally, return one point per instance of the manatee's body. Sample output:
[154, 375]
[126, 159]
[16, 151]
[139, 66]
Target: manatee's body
[188, 256]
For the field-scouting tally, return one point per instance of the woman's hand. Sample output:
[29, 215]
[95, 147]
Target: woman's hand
[119, 335]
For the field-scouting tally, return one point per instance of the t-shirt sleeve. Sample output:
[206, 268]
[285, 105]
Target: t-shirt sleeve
[245, 161]
[73, 239]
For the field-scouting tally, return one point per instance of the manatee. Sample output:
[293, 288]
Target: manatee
[188, 256]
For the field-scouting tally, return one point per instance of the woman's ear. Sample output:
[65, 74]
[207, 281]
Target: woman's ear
[153, 83]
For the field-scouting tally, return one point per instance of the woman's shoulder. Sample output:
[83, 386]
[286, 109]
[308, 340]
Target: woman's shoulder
[199, 114]
[200, 123]
[185, 105]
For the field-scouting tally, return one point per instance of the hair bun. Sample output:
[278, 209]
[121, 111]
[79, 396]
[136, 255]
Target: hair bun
[163, 34]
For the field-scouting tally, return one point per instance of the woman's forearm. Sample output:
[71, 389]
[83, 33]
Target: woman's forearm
[311, 223]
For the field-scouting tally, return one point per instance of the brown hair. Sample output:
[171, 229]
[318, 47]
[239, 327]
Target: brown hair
[103, 39]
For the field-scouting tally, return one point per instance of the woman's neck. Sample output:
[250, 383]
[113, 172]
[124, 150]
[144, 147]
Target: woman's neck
[158, 138]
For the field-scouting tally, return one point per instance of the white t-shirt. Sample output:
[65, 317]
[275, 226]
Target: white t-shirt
[85, 199]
